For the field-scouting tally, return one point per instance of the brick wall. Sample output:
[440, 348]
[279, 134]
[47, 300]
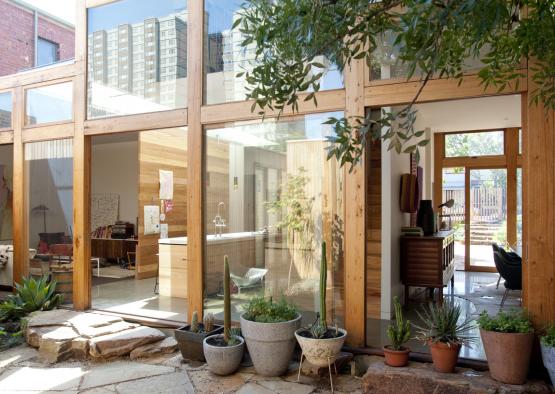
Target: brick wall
[17, 38]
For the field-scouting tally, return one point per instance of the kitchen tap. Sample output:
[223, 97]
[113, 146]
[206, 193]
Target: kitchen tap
[219, 221]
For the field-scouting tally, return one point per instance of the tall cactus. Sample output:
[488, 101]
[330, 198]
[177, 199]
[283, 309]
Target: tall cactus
[323, 281]
[227, 301]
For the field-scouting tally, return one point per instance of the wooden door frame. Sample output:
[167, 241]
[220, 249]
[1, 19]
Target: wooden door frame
[510, 161]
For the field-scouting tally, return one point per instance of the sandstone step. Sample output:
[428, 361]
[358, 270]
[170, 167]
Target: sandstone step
[421, 378]
[123, 342]
[166, 346]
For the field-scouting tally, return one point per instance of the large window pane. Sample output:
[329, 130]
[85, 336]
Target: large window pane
[5, 110]
[49, 189]
[137, 57]
[52, 103]
[138, 268]
[271, 197]
[474, 144]
[224, 57]
[21, 31]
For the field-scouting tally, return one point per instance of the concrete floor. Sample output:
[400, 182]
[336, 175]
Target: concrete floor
[136, 297]
[469, 294]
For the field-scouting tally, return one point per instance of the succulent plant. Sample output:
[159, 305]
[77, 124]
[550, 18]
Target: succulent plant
[228, 335]
[194, 322]
[399, 333]
[208, 322]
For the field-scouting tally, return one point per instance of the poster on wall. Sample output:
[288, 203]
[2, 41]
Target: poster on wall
[152, 219]
[164, 230]
[166, 185]
[5, 203]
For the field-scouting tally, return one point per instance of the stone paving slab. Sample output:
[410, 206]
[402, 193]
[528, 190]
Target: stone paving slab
[122, 343]
[55, 317]
[174, 383]
[16, 379]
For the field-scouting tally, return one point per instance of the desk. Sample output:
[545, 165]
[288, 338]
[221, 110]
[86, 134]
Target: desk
[109, 248]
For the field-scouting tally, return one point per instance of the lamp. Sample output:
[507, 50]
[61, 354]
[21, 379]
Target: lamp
[41, 208]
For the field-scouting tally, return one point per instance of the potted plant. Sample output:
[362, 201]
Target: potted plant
[507, 339]
[320, 343]
[397, 355]
[269, 331]
[224, 352]
[190, 337]
[548, 352]
[441, 330]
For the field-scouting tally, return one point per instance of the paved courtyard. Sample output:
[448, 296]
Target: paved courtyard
[22, 371]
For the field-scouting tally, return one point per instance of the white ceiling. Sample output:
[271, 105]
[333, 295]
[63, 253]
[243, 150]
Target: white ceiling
[470, 114]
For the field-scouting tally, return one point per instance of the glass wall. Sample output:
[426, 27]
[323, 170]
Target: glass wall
[224, 56]
[49, 199]
[5, 110]
[137, 57]
[139, 223]
[271, 198]
[46, 104]
[6, 216]
[29, 42]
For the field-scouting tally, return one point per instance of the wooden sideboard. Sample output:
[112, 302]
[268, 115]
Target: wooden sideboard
[428, 261]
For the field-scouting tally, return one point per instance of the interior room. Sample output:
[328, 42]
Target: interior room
[477, 136]
[6, 217]
[138, 201]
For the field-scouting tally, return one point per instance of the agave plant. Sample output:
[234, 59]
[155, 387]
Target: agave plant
[440, 323]
[31, 295]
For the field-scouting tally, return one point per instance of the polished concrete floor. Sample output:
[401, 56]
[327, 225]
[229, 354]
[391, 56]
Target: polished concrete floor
[474, 292]
[136, 297]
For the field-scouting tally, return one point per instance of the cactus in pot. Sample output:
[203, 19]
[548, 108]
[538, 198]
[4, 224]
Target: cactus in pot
[396, 355]
[321, 343]
[194, 322]
[224, 352]
[208, 322]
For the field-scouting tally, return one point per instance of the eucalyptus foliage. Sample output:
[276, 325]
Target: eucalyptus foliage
[434, 38]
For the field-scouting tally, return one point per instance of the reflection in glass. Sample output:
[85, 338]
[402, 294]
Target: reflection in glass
[137, 57]
[453, 188]
[49, 189]
[518, 246]
[271, 198]
[5, 110]
[6, 215]
[225, 57]
[49, 24]
[484, 143]
[52, 103]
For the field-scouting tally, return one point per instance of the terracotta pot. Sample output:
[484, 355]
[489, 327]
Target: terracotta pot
[444, 356]
[508, 355]
[396, 358]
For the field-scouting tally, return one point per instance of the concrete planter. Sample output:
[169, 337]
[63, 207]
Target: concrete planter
[223, 360]
[270, 345]
[321, 352]
[191, 343]
[548, 356]
[508, 355]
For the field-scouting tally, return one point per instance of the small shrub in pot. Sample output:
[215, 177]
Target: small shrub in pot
[190, 337]
[441, 330]
[224, 352]
[548, 352]
[321, 343]
[269, 331]
[507, 339]
[397, 355]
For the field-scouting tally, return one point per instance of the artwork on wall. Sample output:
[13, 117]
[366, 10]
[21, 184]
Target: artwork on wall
[5, 203]
[166, 185]
[152, 219]
[104, 209]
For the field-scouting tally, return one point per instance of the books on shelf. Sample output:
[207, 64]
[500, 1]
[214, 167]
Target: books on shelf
[412, 231]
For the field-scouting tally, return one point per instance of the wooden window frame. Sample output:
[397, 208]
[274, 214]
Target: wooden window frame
[537, 161]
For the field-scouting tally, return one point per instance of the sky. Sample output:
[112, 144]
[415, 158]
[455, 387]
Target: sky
[63, 9]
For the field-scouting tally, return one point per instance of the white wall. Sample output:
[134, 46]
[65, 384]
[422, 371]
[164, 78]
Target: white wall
[115, 169]
[393, 166]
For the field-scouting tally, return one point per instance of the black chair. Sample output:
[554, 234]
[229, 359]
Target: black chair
[511, 271]
[506, 255]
